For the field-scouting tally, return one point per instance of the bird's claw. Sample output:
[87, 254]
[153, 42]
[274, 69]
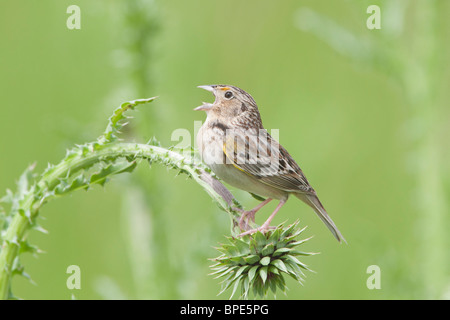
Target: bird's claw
[262, 229]
[246, 216]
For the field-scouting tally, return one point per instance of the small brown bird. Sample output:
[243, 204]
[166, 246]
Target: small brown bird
[237, 148]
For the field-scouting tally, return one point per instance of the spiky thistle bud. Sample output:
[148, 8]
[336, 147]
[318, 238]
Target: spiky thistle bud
[258, 262]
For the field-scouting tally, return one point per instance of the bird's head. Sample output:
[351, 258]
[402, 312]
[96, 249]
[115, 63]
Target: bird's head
[232, 104]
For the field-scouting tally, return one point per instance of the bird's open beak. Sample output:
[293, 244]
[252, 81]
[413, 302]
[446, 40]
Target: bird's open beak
[205, 106]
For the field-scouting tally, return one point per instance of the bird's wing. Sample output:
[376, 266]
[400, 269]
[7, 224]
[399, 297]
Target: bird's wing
[262, 157]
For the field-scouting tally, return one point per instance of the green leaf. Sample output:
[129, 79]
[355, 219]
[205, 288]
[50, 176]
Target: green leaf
[279, 264]
[264, 261]
[263, 273]
[111, 169]
[302, 253]
[26, 247]
[252, 259]
[275, 235]
[238, 260]
[281, 284]
[8, 198]
[294, 271]
[241, 270]
[78, 183]
[219, 270]
[268, 249]
[253, 246]
[227, 284]
[287, 232]
[242, 246]
[274, 270]
[297, 243]
[279, 281]
[296, 233]
[273, 285]
[114, 124]
[25, 180]
[245, 286]
[258, 288]
[280, 251]
[260, 240]
[236, 284]
[252, 272]
[225, 272]
[297, 262]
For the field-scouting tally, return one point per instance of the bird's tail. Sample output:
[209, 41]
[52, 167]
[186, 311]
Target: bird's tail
[314, 202]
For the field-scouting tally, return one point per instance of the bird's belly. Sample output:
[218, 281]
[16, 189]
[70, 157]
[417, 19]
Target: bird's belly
[241, 180]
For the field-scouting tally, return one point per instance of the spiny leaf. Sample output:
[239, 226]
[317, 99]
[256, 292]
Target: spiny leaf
[274, 270]
[8, 198]
[241, 246]
[288, 231]
[245, 286]
[80, 182]
[26, 247]
[275, 235]
[264, 261]
[263, 273]
[279, 264]
[268, 249]
[297, 262]
[114, 121]
[241, 270]
[154, 142]
[260, 239]
[295, 234]
[297, 243]
[273, 285]
[218, 270]
[236, 284]
[251, 259]
[252, 272]
[112, 169]
[302, 253]
[280, 251]
[25, 179]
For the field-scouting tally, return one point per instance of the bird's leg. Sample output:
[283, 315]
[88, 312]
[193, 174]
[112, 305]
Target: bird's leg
[266, 225]
[250, 215]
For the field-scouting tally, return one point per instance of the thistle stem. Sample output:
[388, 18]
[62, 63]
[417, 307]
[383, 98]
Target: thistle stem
[70, 165]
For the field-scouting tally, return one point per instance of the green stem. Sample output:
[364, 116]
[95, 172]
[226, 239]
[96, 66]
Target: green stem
[32, 202]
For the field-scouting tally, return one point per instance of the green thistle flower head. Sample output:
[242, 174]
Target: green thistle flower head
[258, 262]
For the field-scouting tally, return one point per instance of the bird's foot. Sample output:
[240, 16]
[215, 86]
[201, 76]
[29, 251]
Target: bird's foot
[246, 217]
[263, 229]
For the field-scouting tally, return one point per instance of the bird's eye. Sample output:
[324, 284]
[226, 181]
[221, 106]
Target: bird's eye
[228, 95]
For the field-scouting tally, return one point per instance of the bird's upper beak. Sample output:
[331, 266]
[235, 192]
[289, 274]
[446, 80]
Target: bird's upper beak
[205, 106]
[207, 88]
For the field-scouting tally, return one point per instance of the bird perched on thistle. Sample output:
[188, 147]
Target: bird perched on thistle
[237, 148]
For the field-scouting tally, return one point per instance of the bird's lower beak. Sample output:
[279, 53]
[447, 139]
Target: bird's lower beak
[204, 107]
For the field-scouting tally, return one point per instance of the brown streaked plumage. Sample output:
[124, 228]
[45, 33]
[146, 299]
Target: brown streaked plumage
[237, 148]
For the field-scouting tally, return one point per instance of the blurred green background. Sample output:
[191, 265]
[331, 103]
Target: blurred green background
[364, 112]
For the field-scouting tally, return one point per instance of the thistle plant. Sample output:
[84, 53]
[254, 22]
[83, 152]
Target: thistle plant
[255, 261]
